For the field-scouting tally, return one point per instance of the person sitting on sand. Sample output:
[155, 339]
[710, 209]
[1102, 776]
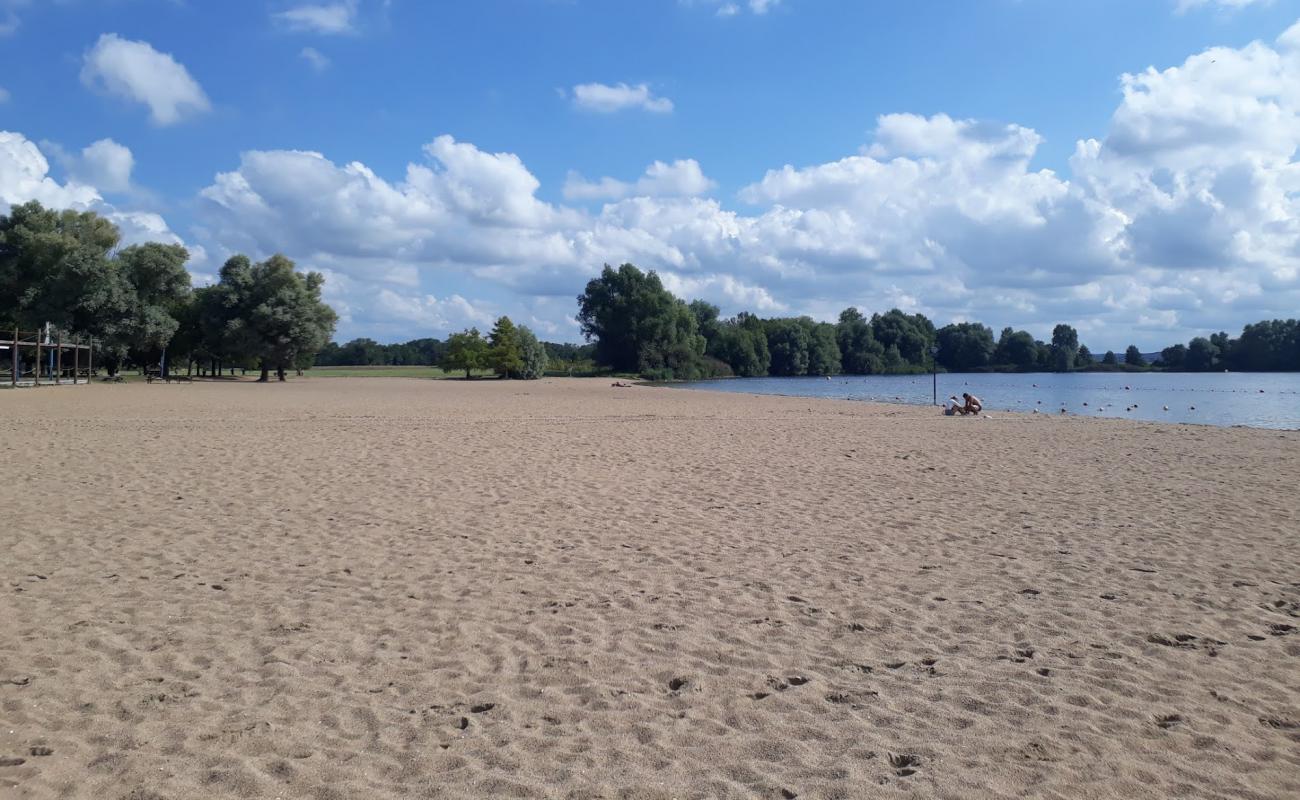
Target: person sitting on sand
[973, 404]
[952, 406]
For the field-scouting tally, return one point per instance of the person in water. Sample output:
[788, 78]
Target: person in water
[973, 404]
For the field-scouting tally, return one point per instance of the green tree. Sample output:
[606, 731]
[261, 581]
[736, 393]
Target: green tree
[823, 350]
[787, 341]
[55, 267]
[741, 343]
[1133, 357]
[1083, 358]
[505, 356]
[1202, 355]
[638, 325]
[267, 313]
[1065, 347]
[1174, 358]
[1110, 359]
[158, 288]
[706, 320]
[910, 334]
[533, 355]
[860, 353]
[1017, 349]
[467, 350]
[965, 346]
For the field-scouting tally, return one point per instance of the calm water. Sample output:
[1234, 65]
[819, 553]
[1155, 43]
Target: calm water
[1258, 400]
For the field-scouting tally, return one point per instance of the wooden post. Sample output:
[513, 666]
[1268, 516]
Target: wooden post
[90, 361]
[13, 379]
[58, 360]
[76, 360]
[36, 373]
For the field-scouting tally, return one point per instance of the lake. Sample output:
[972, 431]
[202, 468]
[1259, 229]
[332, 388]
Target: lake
[1253, 399]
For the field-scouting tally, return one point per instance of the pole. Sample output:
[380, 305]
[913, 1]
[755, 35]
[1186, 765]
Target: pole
[13, 379]
[58, 373]
[90, 361]
[934, 374]
[36, 369]
[76, 360]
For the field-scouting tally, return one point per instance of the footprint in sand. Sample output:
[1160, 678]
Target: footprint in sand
[1168, 721]
[905, 764]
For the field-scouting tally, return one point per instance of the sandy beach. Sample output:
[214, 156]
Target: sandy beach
[388, 588]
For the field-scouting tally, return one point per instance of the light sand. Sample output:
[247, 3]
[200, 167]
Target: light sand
[390, 588]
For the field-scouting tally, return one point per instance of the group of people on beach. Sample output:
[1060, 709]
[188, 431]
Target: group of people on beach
[969, 404]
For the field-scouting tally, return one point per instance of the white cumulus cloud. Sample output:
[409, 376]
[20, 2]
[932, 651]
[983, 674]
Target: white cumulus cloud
[683, 178]
[107, 165]
[606, 99]
[137, 72]
[24, 176]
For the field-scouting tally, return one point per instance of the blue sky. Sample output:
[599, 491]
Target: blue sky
[447, 162]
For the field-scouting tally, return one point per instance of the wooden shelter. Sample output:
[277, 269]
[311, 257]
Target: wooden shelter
[73, 359]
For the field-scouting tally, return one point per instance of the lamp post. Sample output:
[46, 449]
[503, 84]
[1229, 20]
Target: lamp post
[934, 372]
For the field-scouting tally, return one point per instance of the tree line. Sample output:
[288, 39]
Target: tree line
[365, 352]
[64, 268]
[638, 326]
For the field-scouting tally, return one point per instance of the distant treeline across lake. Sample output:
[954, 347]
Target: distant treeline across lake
[1257, 400]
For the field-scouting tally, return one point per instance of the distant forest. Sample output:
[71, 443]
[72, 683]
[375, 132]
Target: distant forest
[637, 327]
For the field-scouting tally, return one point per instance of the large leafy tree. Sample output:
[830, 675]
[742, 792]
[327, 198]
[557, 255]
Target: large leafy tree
[788, 341]
[638, 326]
[268, 312]
[158, 288]
[1065, 348]
[56, 267]
[1202, 355]
[1133, 357]
[823, 350]
[910, 334]
[1017, 349]
[965, 346]
[741, 343]
[467, 351]
[1173, 357]
[860, 353]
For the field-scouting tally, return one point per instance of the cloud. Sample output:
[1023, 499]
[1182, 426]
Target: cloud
[682, 178]
[24, 176]
[135, 71]
[1182, 216]
[1183, 6]
[4, 95]
[324, 18]
[106, 165]
[315, 59]
[604, 99]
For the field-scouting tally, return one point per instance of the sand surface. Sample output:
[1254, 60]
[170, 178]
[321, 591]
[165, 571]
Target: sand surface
[374, 588]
